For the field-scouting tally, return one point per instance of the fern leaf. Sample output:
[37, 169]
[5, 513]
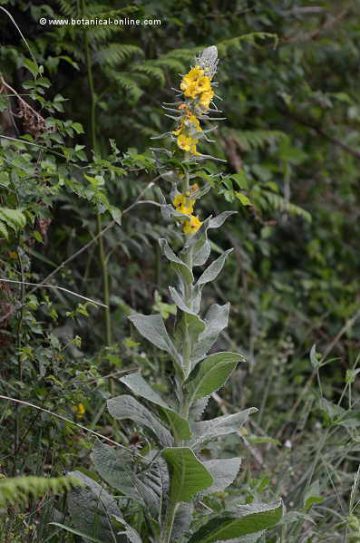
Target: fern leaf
[128, 84]
[153, 72]
[115, 53]
[278, 203]
[19, 490]
[255, 139]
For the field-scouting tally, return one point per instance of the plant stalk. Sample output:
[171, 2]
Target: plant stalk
[102, 256]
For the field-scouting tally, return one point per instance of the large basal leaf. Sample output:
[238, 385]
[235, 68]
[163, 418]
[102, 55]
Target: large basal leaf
[147, 484]
[211, 374]
[182, 521]
[220, 426]
[216, 320]
[211, 273]
[126, 407]
[152, 328]
[137, 384]
[188, 476]
[246, 520]
[91, 509]
[224, 473]
[115, 467]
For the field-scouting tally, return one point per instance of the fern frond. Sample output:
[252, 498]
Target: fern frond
[19, 490]
[153, 72]
[68, 7]
[279, 203]
[128, 84]
[255, 139]
[115, 53]
[231, 45]
[171, 64]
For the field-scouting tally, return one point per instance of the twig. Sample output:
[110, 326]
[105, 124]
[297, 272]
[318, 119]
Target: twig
[56, 287]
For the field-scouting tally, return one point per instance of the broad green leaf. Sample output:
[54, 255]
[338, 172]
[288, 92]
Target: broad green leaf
[91, 508]
[152, 328]
[211, 374]
[202, 253]
[137, 384]
[115, 467]
[126, 407]
[179, 266]
[144, 482]
[244, 200]
[246, 520]
[220, 426]
[211, 273]
[224, 473]
[218, 221]
[188, 476]
[179, 301]
[216, 320]
[13, 218]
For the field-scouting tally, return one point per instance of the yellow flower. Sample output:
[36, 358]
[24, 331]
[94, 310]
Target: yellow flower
[183, 204]
[206, 98]
[187, 143]
[195, 83]
[79, 410]
[194, 122]
[192, 225]
[190, 79]
[203, 84]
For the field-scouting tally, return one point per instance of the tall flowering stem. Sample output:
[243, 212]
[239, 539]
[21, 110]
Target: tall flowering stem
[169, 476]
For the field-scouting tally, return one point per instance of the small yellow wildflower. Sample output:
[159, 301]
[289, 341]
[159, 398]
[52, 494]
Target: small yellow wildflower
[192, 225]
[194, 122]
[79, 410]
[187, 143]
[195, 84]
[189, 81]
[183, 204]
[206, 98]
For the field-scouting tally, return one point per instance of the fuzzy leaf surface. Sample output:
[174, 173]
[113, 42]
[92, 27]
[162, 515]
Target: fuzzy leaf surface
[137, 384]
[188, 475]
[152, 328]
[246, 520]
[211, 374]
[126, 407]
[220, 426]
[224, 473]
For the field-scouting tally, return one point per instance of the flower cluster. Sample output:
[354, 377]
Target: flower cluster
[195, 98]
[198, 93]
[197, 86]
[184, 204]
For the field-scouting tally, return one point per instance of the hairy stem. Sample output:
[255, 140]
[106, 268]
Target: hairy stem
[169, 522]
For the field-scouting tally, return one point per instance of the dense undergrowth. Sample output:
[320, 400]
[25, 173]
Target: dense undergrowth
[80, 252]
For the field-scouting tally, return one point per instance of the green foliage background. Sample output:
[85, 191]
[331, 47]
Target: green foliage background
[289, 84]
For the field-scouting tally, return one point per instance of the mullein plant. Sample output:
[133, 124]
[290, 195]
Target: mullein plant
[162, 486]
